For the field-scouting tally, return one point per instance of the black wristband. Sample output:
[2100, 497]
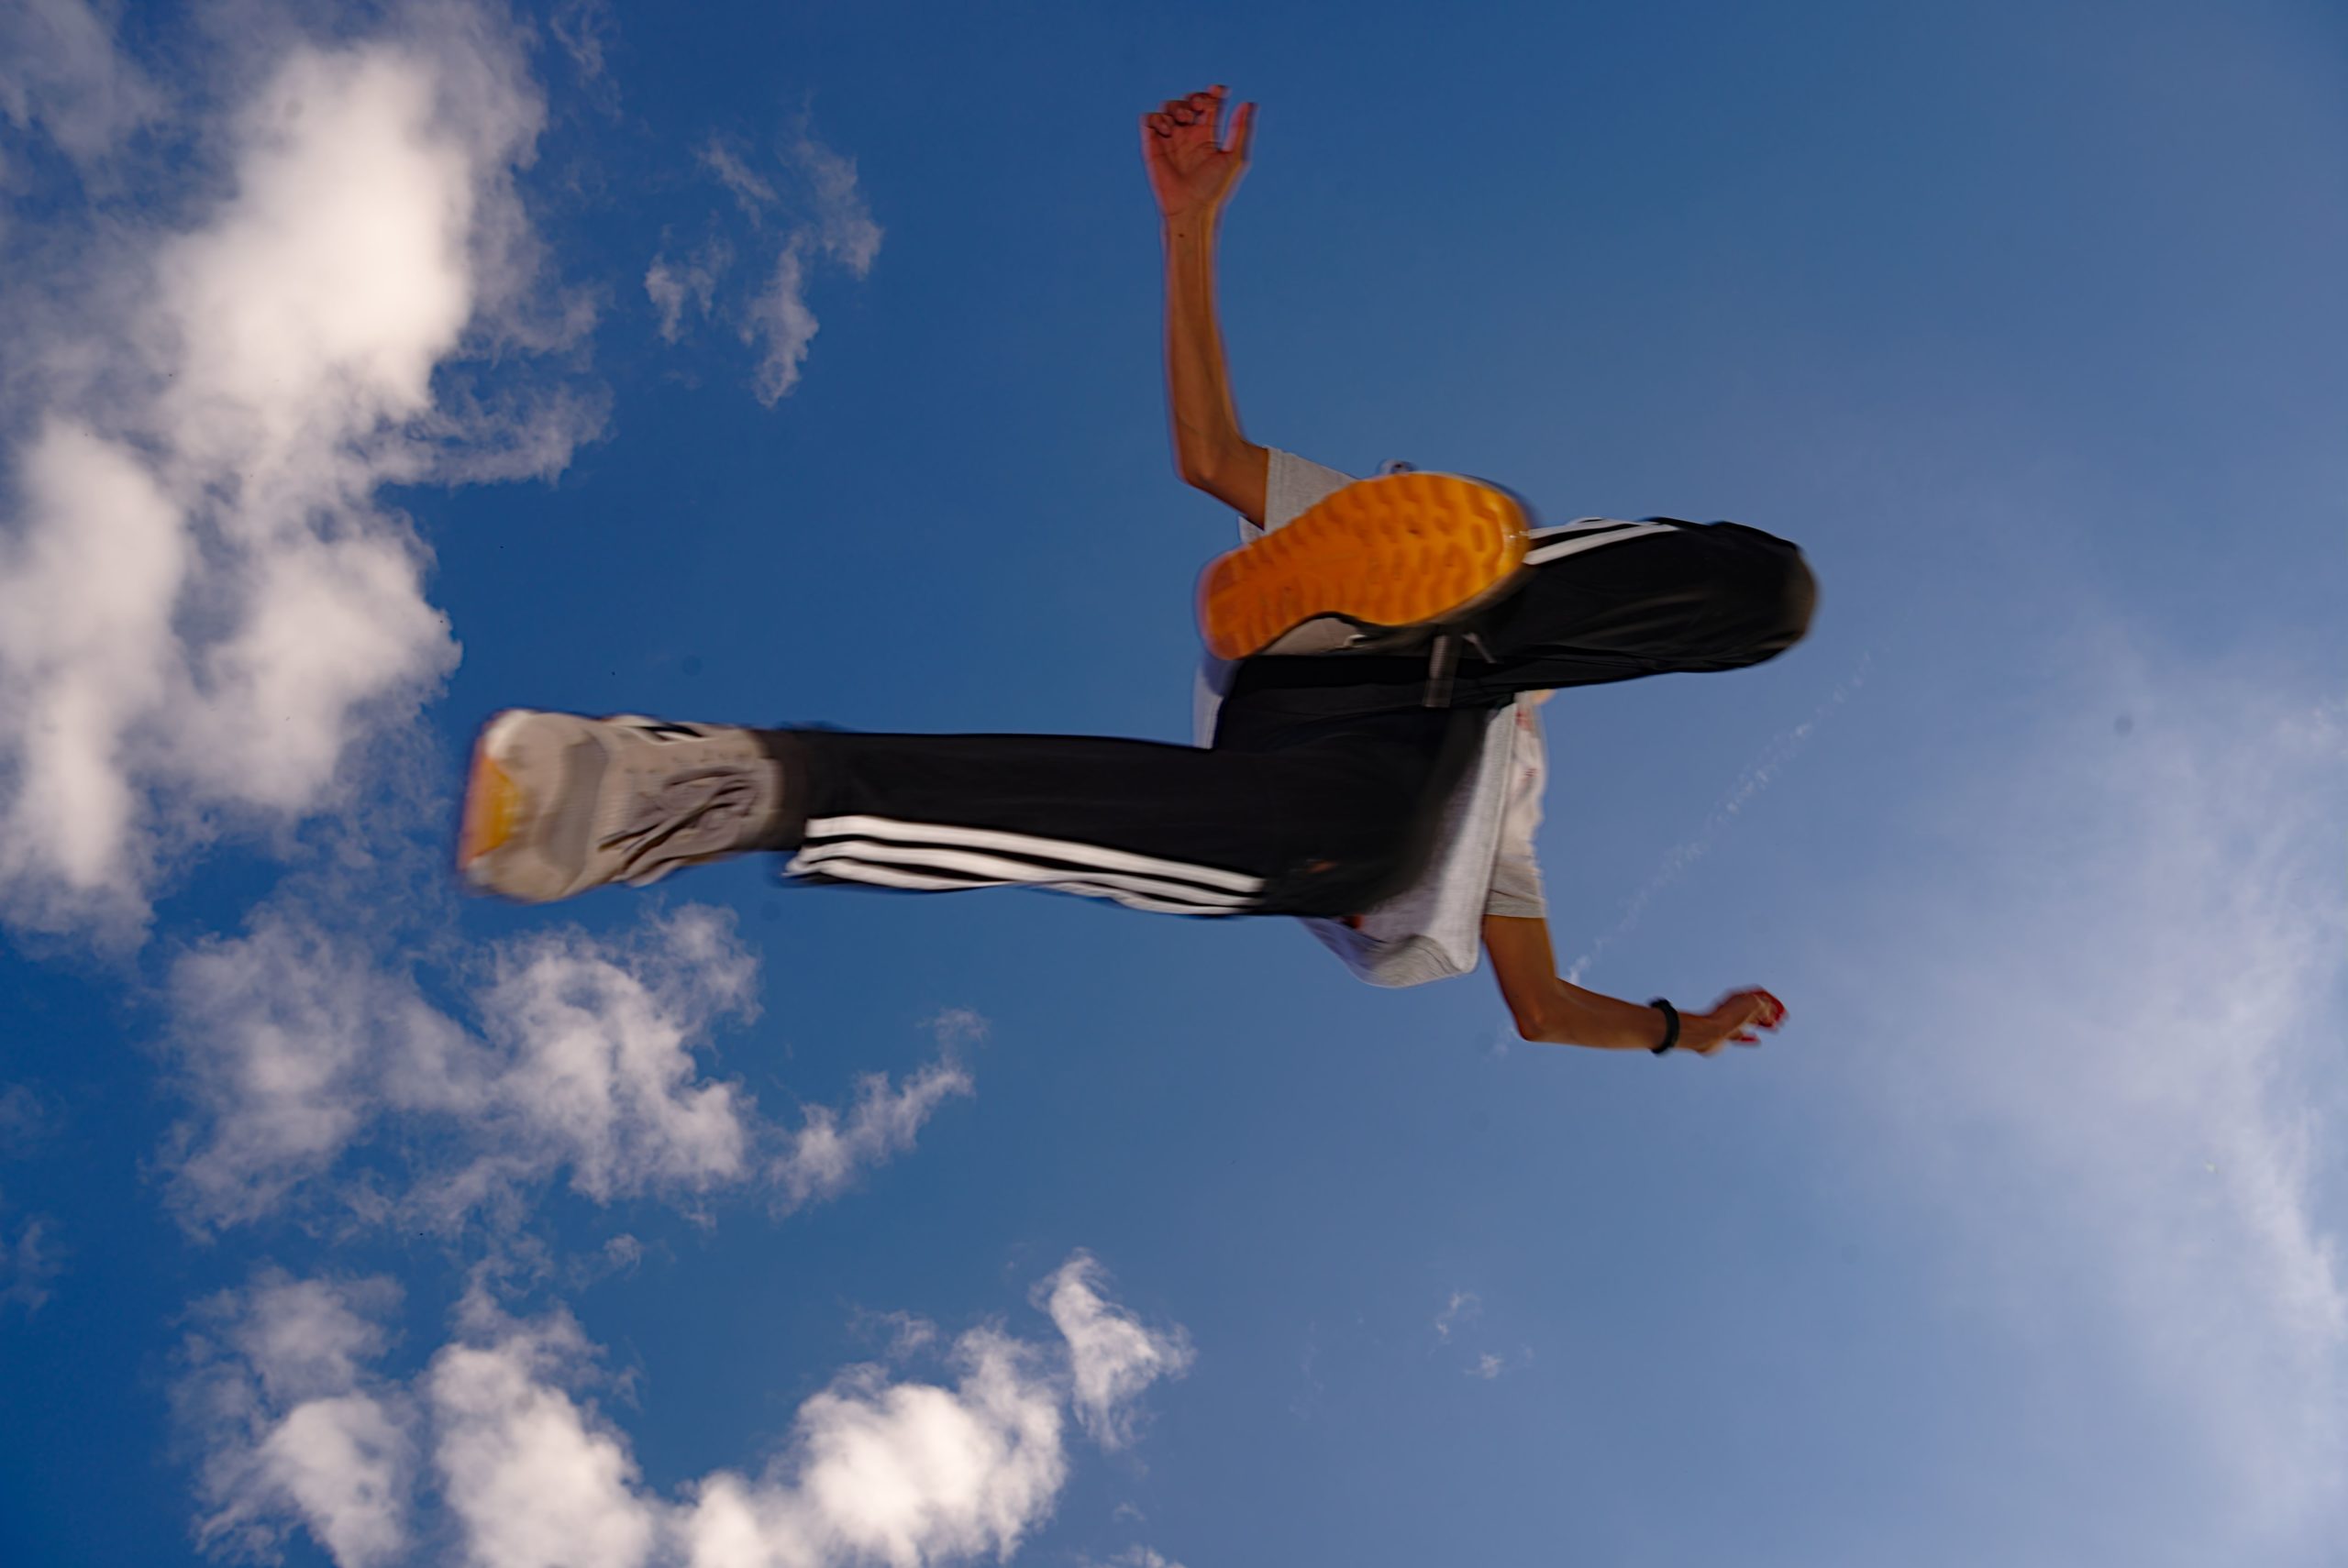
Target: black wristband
[1670, 1025]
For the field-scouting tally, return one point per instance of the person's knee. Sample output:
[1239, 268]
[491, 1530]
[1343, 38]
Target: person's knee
[1774, 596]
[1796, 599]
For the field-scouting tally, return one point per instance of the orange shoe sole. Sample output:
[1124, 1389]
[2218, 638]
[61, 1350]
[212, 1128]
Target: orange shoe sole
[1401, 550]
[492, 807]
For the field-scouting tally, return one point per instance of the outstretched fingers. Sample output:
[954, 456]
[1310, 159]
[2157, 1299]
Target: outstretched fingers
[1243, 129]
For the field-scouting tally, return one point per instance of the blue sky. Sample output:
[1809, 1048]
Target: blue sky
[374, 369]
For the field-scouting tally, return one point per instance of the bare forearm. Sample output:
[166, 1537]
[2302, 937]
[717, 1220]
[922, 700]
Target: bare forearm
[1568, 1015]
[1548, 1010]
[1209, 448]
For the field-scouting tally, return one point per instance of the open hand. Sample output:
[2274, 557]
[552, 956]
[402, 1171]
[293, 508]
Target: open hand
[1191, 170]
[1735, 1019]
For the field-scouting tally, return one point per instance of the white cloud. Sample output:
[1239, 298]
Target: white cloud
[1463, 1305]
[677, 287]
[1112, 1354]
[780, 322]
[535, 1479]
[294, 1047]
[1459, 1312]
[59, 70]
[531, 1474]
[2115, 1008]
[585, 29]
[596, 1070]
[823, 218]
[30, 1265]
[204, 611]
[753, 190]
[296, 1432]
[289, 1045]
[905, 1333]
[827, 1154]
[840, 228]
[898, 1473]
[841, 225]
[30, 1259]
[1133, 1557]
[24, 1122]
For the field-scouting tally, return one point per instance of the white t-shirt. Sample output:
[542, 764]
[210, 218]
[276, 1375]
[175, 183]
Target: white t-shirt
[1484, 861]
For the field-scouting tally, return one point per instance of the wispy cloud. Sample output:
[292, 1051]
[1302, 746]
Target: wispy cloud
[30, 1257]
[2116, 1008]
[1112, 1355]
[686, 290]
[30, 1261]
[500, 1436]
[24, 1122]
[205, 608]
[1131, 1557]
[1452, 1326]
[295, 1429]
[804, 206]
[829, 1152]
[1676, 861]
[585, 30]
[1463, 1307]
[295, 1046]
[62, 71]
[752, 191]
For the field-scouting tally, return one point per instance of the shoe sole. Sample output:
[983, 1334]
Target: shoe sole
[1400, 550]
[493, 805]
[543, 848]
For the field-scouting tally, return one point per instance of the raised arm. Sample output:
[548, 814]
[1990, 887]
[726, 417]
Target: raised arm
[1192, 173]
[1548, 1009]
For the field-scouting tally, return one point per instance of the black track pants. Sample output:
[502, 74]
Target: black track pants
[1323, 792]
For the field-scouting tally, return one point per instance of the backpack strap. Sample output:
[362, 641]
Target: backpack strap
[1443, 658]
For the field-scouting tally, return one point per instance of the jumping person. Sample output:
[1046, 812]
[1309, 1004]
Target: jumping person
[1371, 757]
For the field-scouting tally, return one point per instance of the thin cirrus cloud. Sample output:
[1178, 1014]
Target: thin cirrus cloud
[30, 1258]
[205, 608]
[1112, 1357]
[498, 1442]
[59, 70]
[1464, 1306]
[2114, 1066]
[1677, 860]
[824, 1155]
[30, 1263]
[817, 214]
[295, 1049]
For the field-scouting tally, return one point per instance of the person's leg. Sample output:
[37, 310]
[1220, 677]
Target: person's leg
[1294, 818]
[1612, 601]
[1299, 810]
[1599, 602]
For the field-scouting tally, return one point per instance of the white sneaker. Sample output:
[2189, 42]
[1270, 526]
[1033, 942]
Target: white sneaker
[555, 804]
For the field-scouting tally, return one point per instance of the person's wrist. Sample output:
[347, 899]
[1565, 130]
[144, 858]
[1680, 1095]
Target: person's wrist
[1670, 1039]
[1198, 219]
